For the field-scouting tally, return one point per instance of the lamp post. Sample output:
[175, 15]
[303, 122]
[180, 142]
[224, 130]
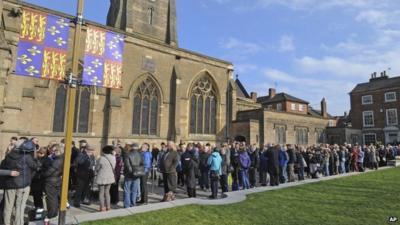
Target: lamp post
[70, 114]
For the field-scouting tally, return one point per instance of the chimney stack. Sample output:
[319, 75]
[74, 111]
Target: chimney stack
[272, 92]
[254, 96]
[324, 112]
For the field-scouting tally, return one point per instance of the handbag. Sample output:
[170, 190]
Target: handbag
[305, 163]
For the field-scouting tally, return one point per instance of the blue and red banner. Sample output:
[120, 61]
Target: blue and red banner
[43, 45]
[103, 58]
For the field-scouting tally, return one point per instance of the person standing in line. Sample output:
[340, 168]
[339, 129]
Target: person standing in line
[283, 160]
[190, 165]
[292, 160]
[169, 162]
[85, 165]
[245, 164]
[214, 162]
[105, 170]
[301, 162]
[225, 167]
[273, 153]
[147, 159]
[52, 172]
[235, 166]
[263, 168]
[255, 161]
[133, 170]
[204, 169]
[37, 186]
[119, 164]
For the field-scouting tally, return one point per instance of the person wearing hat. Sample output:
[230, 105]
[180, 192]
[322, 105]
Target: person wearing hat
[214, 162]
[85, 165]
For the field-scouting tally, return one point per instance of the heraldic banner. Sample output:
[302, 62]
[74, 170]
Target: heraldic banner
[43, 45]
[103, 58]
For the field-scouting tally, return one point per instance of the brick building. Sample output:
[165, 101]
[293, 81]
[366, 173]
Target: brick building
[278, 118]
[168, 92]
[374, 109]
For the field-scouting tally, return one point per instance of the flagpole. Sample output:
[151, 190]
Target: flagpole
[70, 114]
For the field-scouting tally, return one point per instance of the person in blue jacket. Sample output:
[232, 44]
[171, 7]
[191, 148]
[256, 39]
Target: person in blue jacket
[214, 162]
[283, 161]
[147, 159]
[245, 163]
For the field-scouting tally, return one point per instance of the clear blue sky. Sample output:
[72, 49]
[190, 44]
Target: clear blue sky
[308, 48]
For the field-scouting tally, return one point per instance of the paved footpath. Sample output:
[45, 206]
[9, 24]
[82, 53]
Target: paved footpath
[78, 216]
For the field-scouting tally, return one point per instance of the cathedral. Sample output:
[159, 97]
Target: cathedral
[168, 93]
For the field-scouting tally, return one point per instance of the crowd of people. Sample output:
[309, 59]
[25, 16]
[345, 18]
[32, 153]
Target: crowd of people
[31, 169]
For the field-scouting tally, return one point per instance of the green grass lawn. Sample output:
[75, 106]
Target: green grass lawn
[365, 199]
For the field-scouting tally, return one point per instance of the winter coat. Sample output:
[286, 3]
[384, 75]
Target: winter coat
[245, 161]
[225, 165]
[119, 166]
[273, 158]
[254, 158]
[203, 157]
[22, 162]
[52, 169]
[235, 159]
[263, 162]
[85, 165]
[214, 162]
[300, 160]
[105, 169]
[283, 158]
[169, 162]
[190, 166]
[292, 156]
[133, 164]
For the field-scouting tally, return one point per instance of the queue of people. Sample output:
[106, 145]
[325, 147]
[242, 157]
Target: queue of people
[37, 170]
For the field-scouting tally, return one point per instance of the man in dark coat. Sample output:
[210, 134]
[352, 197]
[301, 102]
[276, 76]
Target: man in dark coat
[255, 160]
[52, 173]
[168, 165]
[292, 161]
[85, 165]
[190, 166]
[204, 170]
[273, 164]
[235, 166]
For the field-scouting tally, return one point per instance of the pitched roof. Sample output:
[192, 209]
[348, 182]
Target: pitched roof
[240, 90]
[280, 97]
[316, 113]
[377, 84]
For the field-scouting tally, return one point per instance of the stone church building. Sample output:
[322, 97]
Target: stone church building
[168, 92]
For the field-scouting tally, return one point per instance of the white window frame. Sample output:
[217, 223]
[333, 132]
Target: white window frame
[279, 107]
[301, 108]
[390, 100]
[387, 117]
[365, 102]
[369, 134]
[293, 106]
[373, 119]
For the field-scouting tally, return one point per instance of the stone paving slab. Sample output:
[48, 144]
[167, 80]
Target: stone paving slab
[230, 198]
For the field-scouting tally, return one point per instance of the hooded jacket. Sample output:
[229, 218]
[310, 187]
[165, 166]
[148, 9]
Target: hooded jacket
[214, 162]
[22, 162]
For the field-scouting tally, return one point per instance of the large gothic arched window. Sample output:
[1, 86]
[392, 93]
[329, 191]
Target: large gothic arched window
[203, 107]
[145, 109]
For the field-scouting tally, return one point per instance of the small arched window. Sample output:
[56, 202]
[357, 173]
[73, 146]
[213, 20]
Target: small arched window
[203, 107]
[145, 109]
